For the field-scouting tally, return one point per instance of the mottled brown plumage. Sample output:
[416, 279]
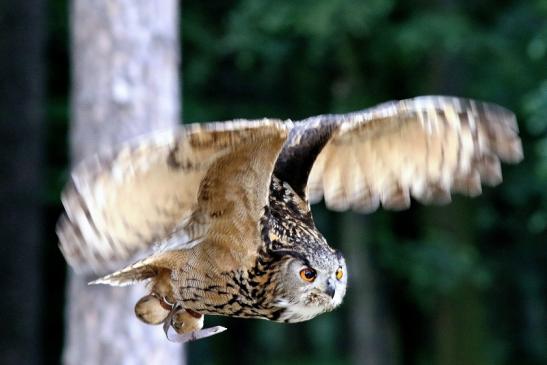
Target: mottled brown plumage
[219, 213]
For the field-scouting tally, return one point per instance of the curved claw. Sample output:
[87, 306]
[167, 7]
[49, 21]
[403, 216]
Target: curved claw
[192, 336]
[187, 337]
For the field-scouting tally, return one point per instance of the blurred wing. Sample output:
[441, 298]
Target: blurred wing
[233, 196]
[121, 203]
[423, 147]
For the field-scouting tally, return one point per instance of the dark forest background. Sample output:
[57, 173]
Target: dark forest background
[460, 284]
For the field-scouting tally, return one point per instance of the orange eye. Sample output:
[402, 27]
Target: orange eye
[308, 274]
[339, 273]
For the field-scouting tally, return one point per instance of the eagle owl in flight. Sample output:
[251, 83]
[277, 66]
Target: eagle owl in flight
[217, 216]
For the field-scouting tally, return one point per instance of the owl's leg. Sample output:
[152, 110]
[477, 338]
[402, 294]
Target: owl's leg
[158, 307]
[152, 309]
[186, 321]
[187, 325]
[155, 307]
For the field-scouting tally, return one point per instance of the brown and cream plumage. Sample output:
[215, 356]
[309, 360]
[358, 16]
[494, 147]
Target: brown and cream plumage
[219, 213]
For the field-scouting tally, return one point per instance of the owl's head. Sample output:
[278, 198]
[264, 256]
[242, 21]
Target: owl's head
[310, 284]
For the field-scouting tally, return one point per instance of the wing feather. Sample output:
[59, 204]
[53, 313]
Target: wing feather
[121, 203]
[424, 147]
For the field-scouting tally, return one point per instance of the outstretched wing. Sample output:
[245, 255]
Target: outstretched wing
[424, 147]
[122, 202]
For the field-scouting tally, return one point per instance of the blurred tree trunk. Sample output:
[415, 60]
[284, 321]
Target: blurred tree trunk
[371, 331]
[22, 39]
[459, 328]
[460, 331]
[125, 82]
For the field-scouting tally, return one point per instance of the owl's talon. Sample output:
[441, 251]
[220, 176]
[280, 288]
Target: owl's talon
[151, 309]
[183, 325]
[192, 336]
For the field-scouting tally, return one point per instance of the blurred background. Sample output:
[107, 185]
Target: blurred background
[460, 284]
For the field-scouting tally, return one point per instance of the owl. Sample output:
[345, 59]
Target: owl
[216, 217]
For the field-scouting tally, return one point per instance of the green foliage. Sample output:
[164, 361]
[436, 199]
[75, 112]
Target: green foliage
[434, 267]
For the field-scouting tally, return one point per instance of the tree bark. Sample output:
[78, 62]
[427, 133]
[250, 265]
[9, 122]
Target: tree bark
[372, 337]
[460, 331]
[22, 39]
[125, 82]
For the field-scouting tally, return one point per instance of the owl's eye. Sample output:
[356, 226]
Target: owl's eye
[308, 274]
[339, 273]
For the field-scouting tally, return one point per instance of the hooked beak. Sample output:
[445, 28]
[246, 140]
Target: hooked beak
[331, 288]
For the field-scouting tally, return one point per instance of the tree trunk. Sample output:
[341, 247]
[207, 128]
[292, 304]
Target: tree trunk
[372, 338]
[460, 331]
[124, 83]
[22, 35]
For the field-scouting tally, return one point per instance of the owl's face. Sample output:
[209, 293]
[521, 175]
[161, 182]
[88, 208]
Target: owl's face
[311, 286]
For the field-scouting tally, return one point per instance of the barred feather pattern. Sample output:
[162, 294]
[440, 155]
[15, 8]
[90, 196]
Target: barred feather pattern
[424, 148]
[143, 197]
[208, 185]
